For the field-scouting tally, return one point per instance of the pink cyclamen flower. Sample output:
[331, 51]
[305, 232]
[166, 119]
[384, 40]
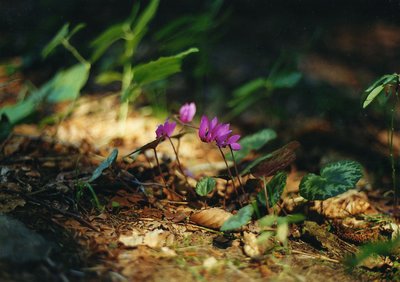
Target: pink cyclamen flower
[187, 112]
[210, 131]
[207, 128]
[166, 129]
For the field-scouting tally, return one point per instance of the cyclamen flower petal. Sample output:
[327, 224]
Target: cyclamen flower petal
[166, 129]
[232, 142]
[203, 128]
[187, 112]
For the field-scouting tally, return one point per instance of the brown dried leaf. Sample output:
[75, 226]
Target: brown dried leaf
[279, 159]
[9, 203]
[347, 204]
[211, 218]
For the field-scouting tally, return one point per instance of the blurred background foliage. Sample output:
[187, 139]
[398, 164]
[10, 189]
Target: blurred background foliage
[284, 65]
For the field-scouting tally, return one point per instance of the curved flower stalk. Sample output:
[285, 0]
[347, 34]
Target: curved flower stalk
[210, 131]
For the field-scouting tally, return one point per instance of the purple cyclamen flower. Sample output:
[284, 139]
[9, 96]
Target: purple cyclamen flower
[166, 129]
[232, 142]
[186, 112]
[210, 131]
[207, 128]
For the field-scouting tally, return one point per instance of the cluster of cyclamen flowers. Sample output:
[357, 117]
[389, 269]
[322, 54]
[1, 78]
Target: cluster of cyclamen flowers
[209, 130]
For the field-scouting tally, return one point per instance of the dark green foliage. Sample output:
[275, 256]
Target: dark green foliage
[274, 190]
[335, 179]
[253, 142]
[205, 186]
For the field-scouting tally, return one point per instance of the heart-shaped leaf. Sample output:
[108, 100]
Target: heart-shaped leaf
[336, 178]
[205, 186]
[238, 220]
[274, 189]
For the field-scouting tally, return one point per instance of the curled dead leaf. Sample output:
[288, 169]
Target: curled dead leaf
[350, 203]
[210, 218]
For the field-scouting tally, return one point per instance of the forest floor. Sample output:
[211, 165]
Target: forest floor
[150, 234]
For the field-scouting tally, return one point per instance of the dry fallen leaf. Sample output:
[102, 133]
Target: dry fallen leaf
[153, 239]
[352, 202]
[211, 217]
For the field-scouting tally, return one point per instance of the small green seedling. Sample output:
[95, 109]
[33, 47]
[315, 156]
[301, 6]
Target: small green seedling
[82, 186]
[389, 85]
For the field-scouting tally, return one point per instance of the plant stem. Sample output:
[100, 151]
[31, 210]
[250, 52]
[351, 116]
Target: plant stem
[230, 175]
[236, 170]
[75, 52]
[177, 160]
[159, 168]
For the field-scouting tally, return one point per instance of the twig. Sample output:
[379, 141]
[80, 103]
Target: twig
[321, 257]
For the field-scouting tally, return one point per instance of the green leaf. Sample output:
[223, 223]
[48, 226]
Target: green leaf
[336, 178]
[106, 39]
[244, 91]
[145, 17]
[285, 80]
[371, 96]
[382, 248]
[238, 220]
[19, 111]
[205, 186]
[104, 165]
[68, 83]
[270, 220]
[108, 77]
[57, 40]
[161, 68]
[274, 189]
[253, 142]
[382, 80]
[75, 30]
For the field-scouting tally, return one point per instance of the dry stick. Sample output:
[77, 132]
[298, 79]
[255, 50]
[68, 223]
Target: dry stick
[236, 170]
[231, 176]
[266, 195]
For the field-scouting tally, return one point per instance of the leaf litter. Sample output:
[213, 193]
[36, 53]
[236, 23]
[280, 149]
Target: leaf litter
[145, 232]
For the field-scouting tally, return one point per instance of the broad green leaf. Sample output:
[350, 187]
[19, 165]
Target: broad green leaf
[57, 40]
[68, 83]
[371, 96]
[106, 39]
[238, 220]
[274, 189]
[19, 111]
[108, 77]
[205, 186]
[104, 165]
[161, 68]
[285, 80]
[253, 142]
[336, 178]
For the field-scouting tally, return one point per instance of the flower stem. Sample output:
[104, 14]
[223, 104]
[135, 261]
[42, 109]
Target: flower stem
[177, 160]
[159, 168]
[236, 170]
[230, 175]
[75, 52]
